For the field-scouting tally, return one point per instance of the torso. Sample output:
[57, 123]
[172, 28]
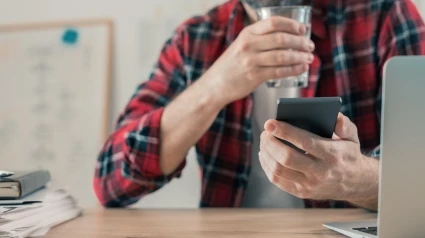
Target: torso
[260, 192]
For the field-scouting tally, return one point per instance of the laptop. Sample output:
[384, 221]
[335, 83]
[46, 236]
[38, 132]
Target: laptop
[402, 177]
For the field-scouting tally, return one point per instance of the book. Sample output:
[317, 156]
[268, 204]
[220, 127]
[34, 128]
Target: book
[23, 183]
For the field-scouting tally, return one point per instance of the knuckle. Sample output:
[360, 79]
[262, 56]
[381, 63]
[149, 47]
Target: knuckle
[273, 179]
[292, 57]
[284, 57]
[307, 57]
[307, 143]
[336, 175]
[273, 23]
[288, 160]
[276, 169]
[278, 130]
[251, 75]
[292, 70]
[298, 69]
[281, 130]
[245, 31]
[333, 154]
[281, 39]
[302, 58]
[303, 192]
[348, 126]
[345, 126]
[346, 119]
[313, 184]
[242, 34]
[279, 72]
[248, 62]
[355, 130]
[244, 45]
[305, 43]
[352, 129]
[333, 160]
[294, 26]
[282, 157]
[280, 57]
[323, 176]
[299, 194]
[295, 57]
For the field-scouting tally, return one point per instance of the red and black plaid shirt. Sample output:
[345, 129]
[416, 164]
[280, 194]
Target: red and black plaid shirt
[354, 38]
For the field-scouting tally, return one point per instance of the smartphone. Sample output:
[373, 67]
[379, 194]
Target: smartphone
[316, 115]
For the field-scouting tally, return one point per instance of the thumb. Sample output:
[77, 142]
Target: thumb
[345, 129]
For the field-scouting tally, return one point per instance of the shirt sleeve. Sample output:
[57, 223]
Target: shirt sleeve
[376, 153]
[402, 32]
[128, 164]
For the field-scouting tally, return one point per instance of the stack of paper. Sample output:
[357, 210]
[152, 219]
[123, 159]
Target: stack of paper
[35, 218]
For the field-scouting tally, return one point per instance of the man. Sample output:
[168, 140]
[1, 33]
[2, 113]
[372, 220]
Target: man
[207, 80]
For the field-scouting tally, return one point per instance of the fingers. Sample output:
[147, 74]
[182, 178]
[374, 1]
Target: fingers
[319, 147]
[345, 129]
[282, 40]
[267, 73]
[276, 24]
[281, 183]
[283, 58]
[280, 170]
[284, 155]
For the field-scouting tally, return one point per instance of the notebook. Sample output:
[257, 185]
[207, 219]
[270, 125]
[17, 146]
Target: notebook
[23, 183]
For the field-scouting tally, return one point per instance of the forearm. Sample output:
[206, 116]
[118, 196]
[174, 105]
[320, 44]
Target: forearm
[367, 189]
[185, 120]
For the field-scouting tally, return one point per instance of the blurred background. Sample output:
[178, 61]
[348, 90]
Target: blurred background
[57, 104]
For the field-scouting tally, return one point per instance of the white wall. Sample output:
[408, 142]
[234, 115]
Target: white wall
[421, 5]
[141, 28]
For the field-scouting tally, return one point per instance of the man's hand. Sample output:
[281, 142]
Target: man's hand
[332, 169]
[261, 52]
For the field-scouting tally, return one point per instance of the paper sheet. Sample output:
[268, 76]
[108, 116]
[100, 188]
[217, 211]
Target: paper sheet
[55, 207]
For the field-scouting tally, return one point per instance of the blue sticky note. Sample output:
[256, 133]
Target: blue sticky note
[70, 36]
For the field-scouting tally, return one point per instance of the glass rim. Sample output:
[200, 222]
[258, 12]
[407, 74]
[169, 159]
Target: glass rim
[303, 7]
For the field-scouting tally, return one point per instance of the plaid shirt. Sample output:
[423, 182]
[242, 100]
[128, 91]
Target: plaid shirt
[354, 38]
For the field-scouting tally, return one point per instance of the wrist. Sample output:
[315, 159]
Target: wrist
[212, 93]
[366, 186]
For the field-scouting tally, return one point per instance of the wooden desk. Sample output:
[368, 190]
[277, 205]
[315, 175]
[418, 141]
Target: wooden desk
[205, 223]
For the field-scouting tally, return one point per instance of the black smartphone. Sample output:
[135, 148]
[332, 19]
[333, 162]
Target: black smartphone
[316, 115]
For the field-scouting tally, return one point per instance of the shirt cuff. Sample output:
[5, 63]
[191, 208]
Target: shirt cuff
[375, 153]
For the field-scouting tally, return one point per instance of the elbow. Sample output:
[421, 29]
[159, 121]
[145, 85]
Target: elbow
[170, 167]
[115, 189]
[111, 194]
[119, 181]
[166, 169]
[109, 184]
[103, 195]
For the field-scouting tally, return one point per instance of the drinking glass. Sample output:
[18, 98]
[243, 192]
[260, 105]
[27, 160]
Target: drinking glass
[301, 14]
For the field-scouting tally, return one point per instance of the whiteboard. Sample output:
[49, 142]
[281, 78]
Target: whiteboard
[54, 91]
